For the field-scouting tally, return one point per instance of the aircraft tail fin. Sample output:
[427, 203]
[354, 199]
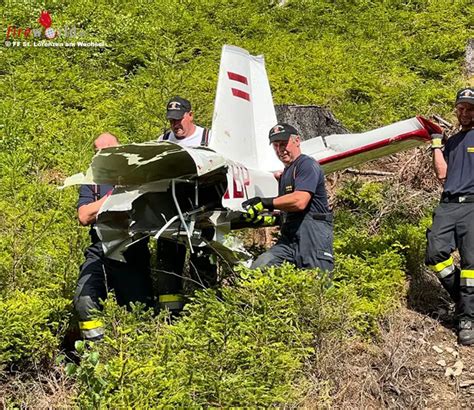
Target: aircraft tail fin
[244, 111]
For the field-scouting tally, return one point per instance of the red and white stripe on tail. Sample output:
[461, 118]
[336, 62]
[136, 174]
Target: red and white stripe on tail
[244, 111]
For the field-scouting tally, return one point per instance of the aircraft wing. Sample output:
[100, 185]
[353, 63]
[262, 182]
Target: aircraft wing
[166, 190]
[340, 151]
[136, 164]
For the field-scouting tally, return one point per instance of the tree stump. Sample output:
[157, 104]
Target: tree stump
[310, 120]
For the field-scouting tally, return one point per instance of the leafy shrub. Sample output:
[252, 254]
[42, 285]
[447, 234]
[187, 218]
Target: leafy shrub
[362, 196]
[241, 347]
[33, 324]
[251, 345]
[374, 218]
[413, 240]
[375, 283]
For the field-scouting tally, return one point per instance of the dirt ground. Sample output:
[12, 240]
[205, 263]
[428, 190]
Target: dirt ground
[421, 365]
[416, 363]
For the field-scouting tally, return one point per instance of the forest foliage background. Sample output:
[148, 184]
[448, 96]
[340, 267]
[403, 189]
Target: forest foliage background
[370, 62]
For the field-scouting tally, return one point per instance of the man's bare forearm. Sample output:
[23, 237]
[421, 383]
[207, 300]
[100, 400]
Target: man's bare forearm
[87, 214]
[294, 202]
[439, 164]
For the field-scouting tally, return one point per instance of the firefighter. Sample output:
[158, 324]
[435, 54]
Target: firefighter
[131, 280]
[183, 130]
[171, 255]
[453, 219]
[306, 235]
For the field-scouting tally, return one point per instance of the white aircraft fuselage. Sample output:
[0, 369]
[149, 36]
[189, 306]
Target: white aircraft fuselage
[193, 195]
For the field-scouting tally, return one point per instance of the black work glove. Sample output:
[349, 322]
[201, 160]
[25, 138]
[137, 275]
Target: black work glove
[254, 206]
[436, 141]
[268, 220]
[259, 222]
[259, 203]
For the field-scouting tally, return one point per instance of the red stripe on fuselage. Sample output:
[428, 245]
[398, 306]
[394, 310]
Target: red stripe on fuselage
[421, 134]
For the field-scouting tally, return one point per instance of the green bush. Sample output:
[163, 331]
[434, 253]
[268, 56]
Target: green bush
[373, 218]
[243, 347]
[251, 345]
[362, 196]
[375, 284]
[413, 240]
[33, 325]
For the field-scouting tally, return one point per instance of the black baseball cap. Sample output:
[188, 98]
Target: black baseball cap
[465, 95]
[282, 132]
[177, 107]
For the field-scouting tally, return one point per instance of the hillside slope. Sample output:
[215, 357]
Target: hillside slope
[370, 63]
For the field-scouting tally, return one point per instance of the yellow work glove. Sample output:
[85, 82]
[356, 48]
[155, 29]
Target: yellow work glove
[255, 206]
[436, 141]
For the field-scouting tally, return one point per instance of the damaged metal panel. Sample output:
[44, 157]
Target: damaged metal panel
[137, 164]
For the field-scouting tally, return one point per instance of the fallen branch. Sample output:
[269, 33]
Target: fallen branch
[369, 172]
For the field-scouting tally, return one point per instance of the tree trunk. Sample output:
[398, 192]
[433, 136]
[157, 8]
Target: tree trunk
[310, 120]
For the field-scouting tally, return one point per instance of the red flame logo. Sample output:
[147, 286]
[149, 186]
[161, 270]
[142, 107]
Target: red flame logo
[45, 19]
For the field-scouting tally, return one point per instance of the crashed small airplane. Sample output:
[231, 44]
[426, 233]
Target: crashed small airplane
[194, 195]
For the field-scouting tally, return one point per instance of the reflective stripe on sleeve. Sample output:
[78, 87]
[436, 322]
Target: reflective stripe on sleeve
[92, 329]
[467, 273]
[171, 302]
[93, 334]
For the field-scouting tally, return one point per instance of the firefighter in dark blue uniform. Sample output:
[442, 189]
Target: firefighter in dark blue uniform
[131, 280]
[453, 219]
[306, 237]
[171, 255]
